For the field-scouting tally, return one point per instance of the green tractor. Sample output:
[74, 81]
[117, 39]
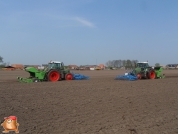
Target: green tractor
[55, 71]
[144, 71]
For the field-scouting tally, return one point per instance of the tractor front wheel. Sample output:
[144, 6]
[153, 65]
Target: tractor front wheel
[69, 76]
[152, 74]
[53, 76]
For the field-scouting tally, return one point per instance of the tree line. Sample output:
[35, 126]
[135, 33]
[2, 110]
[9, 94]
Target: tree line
[127, 64]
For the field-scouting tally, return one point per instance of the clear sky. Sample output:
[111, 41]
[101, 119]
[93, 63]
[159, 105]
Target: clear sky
[88, 31]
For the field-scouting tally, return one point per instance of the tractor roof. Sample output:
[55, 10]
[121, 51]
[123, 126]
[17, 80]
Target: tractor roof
[54, 61]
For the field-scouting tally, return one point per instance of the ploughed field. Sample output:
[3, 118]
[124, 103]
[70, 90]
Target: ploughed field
[100, 105]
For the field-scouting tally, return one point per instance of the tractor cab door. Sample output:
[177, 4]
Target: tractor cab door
[62, 66]
[58, 65]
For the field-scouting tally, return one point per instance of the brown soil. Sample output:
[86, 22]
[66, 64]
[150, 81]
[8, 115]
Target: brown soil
[100, 105]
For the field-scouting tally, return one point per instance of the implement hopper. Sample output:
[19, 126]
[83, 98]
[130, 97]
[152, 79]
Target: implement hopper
[158, 71]
[35, 75]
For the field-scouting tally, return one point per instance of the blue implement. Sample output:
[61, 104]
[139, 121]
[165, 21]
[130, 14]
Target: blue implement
[80, 77]
[129, 76]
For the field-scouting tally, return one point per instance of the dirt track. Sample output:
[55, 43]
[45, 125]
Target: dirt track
[100, 105]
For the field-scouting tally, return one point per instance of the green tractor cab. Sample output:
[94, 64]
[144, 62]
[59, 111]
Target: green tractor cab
[55, 71]
[144, 71]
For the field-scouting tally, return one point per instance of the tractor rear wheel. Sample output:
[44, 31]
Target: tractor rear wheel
[139, 77]
[69, 76]
[53, 76]
[152, 74]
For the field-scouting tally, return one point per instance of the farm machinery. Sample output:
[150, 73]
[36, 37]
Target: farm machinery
[55, 71]
[143, 71]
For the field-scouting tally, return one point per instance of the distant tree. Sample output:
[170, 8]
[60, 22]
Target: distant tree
[1, 59]
[108, 64]
[116, 63]
[2, 64]
[124, 63]
[119, 63]
[128, 64]
[134, 62]
[113, 63]
[157, 64]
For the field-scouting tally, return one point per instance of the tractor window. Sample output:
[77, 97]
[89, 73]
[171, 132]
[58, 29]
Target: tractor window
[52, 65]
[58, 65]
[142, 65]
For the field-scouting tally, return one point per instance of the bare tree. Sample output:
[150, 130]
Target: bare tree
[134, 62]
[115, 63]
[119, 63]
[108, 64]
[157, 65]
[1, 59]
[128, 64]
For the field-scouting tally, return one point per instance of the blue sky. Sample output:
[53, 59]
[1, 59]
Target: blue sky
[85, 31]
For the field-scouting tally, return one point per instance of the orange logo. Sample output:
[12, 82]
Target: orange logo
[10, 124]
